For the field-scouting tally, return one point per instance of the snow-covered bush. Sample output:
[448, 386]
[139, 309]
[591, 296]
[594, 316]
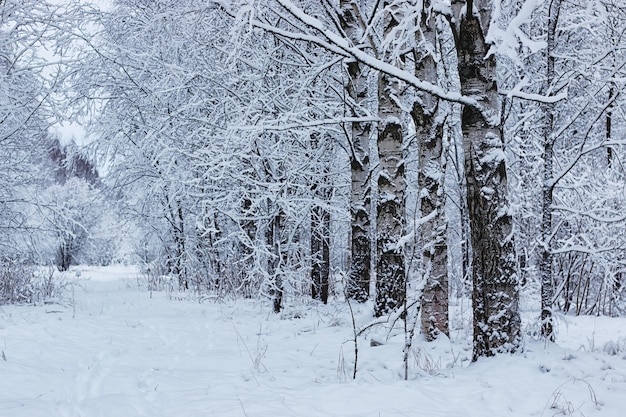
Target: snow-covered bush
[16, 279]
[81, 225]
[22, 282]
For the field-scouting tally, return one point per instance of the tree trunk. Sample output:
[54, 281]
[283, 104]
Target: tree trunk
[320, 252]
[495, 297]
[320, 220]
[546, 259]
[429, 123]
[249, 228]
[64, 254]
[390, 216]
[609, 126]
[358, 283]
[177, 223]
[275, 261]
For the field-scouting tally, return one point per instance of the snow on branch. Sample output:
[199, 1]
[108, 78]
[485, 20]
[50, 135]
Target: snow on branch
[515, 93]
[591, 215]
[302, 37]
[589, 250]
[509, 39]
[336, 42]
[583, 151]
[311, 123]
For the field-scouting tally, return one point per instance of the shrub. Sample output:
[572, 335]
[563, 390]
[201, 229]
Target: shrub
[16, 282]
[21, 283]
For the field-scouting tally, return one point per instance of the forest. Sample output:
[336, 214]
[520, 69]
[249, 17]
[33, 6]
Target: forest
[389, 155]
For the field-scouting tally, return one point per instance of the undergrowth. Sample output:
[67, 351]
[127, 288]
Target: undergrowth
[22, 283]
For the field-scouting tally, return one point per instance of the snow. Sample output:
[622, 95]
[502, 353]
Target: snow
[518, 93]
[343, 46]
[492, 157]
[112, 350]
[509, 39]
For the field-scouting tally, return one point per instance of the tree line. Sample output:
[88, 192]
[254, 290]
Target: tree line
[393, 151]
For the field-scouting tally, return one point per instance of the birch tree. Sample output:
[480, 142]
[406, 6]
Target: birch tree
[429, 117]
[390, 218]
[495, 296]
[497, 323]
[546, 261]
[358, 286]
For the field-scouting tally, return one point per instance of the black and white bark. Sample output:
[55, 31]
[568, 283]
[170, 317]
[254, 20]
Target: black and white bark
[275, 260]
[358, 283]
[429, 118]
[390, 213]
[546, 258]
[495, 298]
[320, 249]
[320, 244]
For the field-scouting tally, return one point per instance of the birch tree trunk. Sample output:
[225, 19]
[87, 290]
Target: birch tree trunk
[358, 283]
[495, 297]
[275, 261]
[546, 259]
[249, 229]
[175, 218]
[320, 248]
[429, 123]
[390, 213]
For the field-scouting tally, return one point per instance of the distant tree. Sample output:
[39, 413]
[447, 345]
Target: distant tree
[321, 193]
[68, 162]
[73, 207]
[214, 147]
[72, 211]
[568, 79]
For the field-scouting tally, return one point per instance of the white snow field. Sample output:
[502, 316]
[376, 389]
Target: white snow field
[111, 350]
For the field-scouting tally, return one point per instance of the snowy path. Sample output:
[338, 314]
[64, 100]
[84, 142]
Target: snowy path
[125, 354]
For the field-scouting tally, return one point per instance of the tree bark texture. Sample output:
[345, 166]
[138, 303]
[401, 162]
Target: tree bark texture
[546, 259]
[275, 261]
[320, 252]
[390, 213]
[177, 223]
[358, 285]
[429, 123]
[495, 297]
[249, 229]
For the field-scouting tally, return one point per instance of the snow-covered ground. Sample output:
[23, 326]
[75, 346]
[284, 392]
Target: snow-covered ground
[112, 350]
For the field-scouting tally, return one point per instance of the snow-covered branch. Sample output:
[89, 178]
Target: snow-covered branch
[338, 43]
[583, 151]
[617, 218]
[305, 124]
[539, 98]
